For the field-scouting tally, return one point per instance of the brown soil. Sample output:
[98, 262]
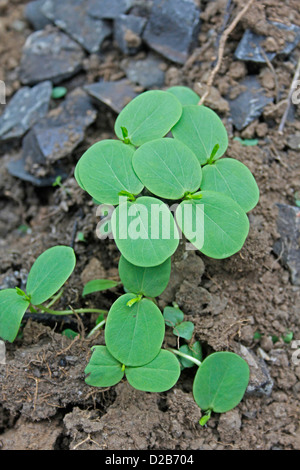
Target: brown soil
[44, 401]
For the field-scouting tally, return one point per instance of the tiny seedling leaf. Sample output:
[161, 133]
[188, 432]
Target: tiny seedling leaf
[195, 351]
[159, 375]
[184, 94]
[12, 309]
[167, 168]
[221, 382]
[173, 316]
[134, 334]
[232, 178]
[150, 282]
[184, 330]
[97, 285]
[105, 170]
[215, 224]
[149, 116]
[103, 370]
[201, 129]
[145, 231]
[49, 272]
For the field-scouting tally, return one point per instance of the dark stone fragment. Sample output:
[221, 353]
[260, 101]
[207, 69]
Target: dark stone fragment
[72, 17]
[128, 31]
[18, 168]
[288, 246]
[26, 107]
[108, 9]
[35, 16]
[50, 55]
[249, 104]
[172, 28]
[114, 94]
[53, 138]
[145, 72]
[249, 48]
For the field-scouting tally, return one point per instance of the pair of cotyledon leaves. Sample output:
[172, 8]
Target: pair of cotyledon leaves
[134, 337]
[170, 168]
[46, 276]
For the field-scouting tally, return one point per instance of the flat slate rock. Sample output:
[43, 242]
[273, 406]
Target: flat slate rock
[50, 55]
[72, 17]
[249, 104]
[249, 48]
[114, 94]
[58, 134]
[128, 30]
[172, 28]
[287, 247]
[145, 72]
[19, 169]
[25, 108]
[35, 16]
[108, 9]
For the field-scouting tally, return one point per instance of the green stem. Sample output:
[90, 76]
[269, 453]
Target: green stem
[186, 356]
[96, 328]
[55, 298]
[69, 312]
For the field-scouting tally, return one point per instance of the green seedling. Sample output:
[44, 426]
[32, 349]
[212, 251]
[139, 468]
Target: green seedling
[46, 277]
[59, 92]
[168, 150]
[212, 193]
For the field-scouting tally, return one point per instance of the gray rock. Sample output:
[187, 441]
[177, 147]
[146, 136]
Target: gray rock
[287, 247]
[145, 72]
[59, 133]
[53, 138]
[108, 9]
[128, 31]
[18, 168]
[26, 107]
[172, 28]
[34, 15]
[261, 382]
[249, 48]
[72, 17]
[50, 55]
[114, 94]
[249, 104]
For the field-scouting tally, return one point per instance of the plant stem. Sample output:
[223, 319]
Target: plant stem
[186, 356]
[69, 312]
[96, 328]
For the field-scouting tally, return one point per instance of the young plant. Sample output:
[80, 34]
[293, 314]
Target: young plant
[48, 274]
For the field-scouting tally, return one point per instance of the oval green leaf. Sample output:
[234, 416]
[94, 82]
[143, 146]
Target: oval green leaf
[184, 330]
[201, 129]
[215, 224]
[134, 335]
[173, 316]
[105, 170]
[167, 168]
[149, 116]
[12, 310]
[159, 375]
[231, 177]
[98, 285]
[145, 231]
[221, 382]
[150, 282]
[49, 272]
[103, 370]
[184, 94]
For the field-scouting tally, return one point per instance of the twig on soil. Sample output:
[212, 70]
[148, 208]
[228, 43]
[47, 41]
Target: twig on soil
[87, 439]
[291, 91]
[68, 347]
[270, 65]
[222, 44]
